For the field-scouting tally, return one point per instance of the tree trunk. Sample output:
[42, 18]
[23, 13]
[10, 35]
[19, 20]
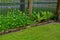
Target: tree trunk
[58, 10]
[22, 5]
[30, 7]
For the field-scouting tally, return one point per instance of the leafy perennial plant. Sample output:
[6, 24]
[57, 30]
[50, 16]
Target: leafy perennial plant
[15, 19]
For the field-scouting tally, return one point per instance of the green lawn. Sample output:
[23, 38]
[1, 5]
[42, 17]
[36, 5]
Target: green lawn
[43, 32]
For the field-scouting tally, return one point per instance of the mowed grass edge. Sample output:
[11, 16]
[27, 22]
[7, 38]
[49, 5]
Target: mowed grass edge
[43, 32]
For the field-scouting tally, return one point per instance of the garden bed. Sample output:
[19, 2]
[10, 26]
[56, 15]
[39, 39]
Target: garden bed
[16, 20]
[22, 28]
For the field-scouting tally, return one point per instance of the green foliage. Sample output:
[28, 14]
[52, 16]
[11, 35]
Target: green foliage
[14, 19]
[42, 15]
[39, 18]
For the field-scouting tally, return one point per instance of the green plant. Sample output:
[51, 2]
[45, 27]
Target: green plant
[39, 18]
[42, 15]
[14, 19]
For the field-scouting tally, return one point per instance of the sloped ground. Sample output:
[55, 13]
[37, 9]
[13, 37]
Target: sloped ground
[43, 32]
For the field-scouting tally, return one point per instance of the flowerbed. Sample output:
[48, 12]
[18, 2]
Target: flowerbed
[15, 19]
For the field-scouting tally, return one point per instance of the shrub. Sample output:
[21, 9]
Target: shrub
[14, 19]
[42, 15]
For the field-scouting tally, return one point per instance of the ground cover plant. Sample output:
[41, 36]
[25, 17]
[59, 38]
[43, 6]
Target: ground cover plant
[15, 18]
[42, 32]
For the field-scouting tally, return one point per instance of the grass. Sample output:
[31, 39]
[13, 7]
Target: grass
[44, 32]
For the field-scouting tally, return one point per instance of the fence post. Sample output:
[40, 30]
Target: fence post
[22, 5]
[58, 9]
[30, 7]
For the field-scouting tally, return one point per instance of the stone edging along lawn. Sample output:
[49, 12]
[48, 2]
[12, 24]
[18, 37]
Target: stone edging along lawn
[21, 28]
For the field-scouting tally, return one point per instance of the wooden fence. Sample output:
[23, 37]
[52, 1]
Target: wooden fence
[38, 4]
